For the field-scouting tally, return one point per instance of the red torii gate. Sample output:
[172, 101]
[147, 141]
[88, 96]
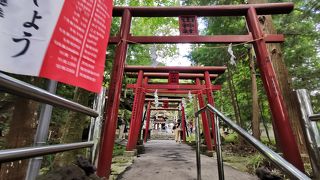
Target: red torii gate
[255, 36]
[172, 87]
[183, 123]
[149, 109]
[203, 116]
[183, 120]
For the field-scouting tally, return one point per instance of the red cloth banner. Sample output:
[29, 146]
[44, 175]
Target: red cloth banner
[61, 40]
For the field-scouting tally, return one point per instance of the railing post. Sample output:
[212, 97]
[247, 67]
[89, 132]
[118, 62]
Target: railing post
[218, 149]
[279, 161]
[279, 112]
[42, 133]
[310, 131]
[96, 124]
[198, 148]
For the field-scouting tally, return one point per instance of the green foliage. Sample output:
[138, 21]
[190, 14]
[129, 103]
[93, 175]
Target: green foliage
[145, 26]
[300, 51]
[191, 138]
[266, 141]
[118, 150]
[231, 138]
[255, 161]
[47, 164]
[301, 47]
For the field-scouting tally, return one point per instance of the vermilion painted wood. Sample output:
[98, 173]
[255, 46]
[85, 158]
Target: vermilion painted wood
[210, 101]
[279, 112]
[183, 124]
[188, 25]
[205, 123]
[221, 10]
[195, 39]
[151, 75]
[164, 109]
[175, 87]
[111, 109]
[161, 91]
[180, 69]
[140, 114]
[164, 99]
[173, 78]
[134, 114]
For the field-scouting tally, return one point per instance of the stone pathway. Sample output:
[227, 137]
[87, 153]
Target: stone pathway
[167, 160]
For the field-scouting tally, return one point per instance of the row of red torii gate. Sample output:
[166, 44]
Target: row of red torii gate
[255, 36]
[173, 74]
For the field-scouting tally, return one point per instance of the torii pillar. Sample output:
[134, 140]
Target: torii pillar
[183, 123]
[279, 113]
[140, 114]
[135, 112]
[205, 123]
[112, 106]
[210, 101]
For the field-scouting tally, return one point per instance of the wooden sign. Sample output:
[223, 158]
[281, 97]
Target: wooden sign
[188, 25]
[173, 78]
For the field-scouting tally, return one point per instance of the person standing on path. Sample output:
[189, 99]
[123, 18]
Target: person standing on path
[177, 131]
[122, 125]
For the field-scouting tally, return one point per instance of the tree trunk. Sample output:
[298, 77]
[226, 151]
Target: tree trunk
[73, 129]
[21, 134]
[233, 97]
[235, 106]
[255, 104]
[284, 79]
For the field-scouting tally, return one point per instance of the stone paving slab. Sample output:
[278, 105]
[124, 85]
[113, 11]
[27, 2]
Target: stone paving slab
[165, 159]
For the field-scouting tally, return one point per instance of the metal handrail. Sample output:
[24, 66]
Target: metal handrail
[9, 155]
[218, 146]
[314, 117]
[310, 130]
[275, 158]
[198, 161]
[21, 88]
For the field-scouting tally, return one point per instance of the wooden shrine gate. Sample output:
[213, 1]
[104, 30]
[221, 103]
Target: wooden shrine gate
[255, 36]
[173, 86]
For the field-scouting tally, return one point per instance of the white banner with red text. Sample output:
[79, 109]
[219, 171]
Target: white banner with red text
[62, 40]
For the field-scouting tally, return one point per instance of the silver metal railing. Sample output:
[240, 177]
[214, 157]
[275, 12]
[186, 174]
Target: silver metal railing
[9, 155]
[275, 158]
[314, 117]
[20, 88]
[197, 129]
[310, 130]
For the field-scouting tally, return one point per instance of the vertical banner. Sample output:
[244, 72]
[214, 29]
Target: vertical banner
[63, 40]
